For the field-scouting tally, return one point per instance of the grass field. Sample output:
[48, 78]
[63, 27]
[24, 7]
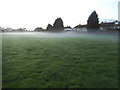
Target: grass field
[60, 61]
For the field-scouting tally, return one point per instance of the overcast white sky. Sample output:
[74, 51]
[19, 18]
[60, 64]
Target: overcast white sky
[38, 13]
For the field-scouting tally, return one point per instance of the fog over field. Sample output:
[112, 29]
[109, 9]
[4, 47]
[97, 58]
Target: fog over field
[100, 36]
[54, 60]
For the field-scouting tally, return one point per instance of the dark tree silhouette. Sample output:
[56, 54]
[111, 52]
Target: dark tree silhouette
[93, 21]
[67, 27]
[49, 27]
[58, 25]
[39, 29]
[21, 29]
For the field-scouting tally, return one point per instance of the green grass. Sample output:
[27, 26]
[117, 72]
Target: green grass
[60, 62]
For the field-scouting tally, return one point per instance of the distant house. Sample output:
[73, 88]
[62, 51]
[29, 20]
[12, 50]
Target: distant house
[80, 28]
[107, 25]
[117, 25]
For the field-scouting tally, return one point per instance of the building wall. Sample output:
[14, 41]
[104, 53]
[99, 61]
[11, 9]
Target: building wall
[119, 11]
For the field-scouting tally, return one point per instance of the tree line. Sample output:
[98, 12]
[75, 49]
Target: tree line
[58, 25]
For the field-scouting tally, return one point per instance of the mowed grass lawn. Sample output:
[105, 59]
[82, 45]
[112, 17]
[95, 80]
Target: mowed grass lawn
[31, 61]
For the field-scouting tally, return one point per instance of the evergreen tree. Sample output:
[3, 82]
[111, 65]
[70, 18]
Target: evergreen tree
[92, 22]
[58, 25]
[49, 27]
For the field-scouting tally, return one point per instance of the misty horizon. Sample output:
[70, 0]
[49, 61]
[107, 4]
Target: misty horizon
[34, 13]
